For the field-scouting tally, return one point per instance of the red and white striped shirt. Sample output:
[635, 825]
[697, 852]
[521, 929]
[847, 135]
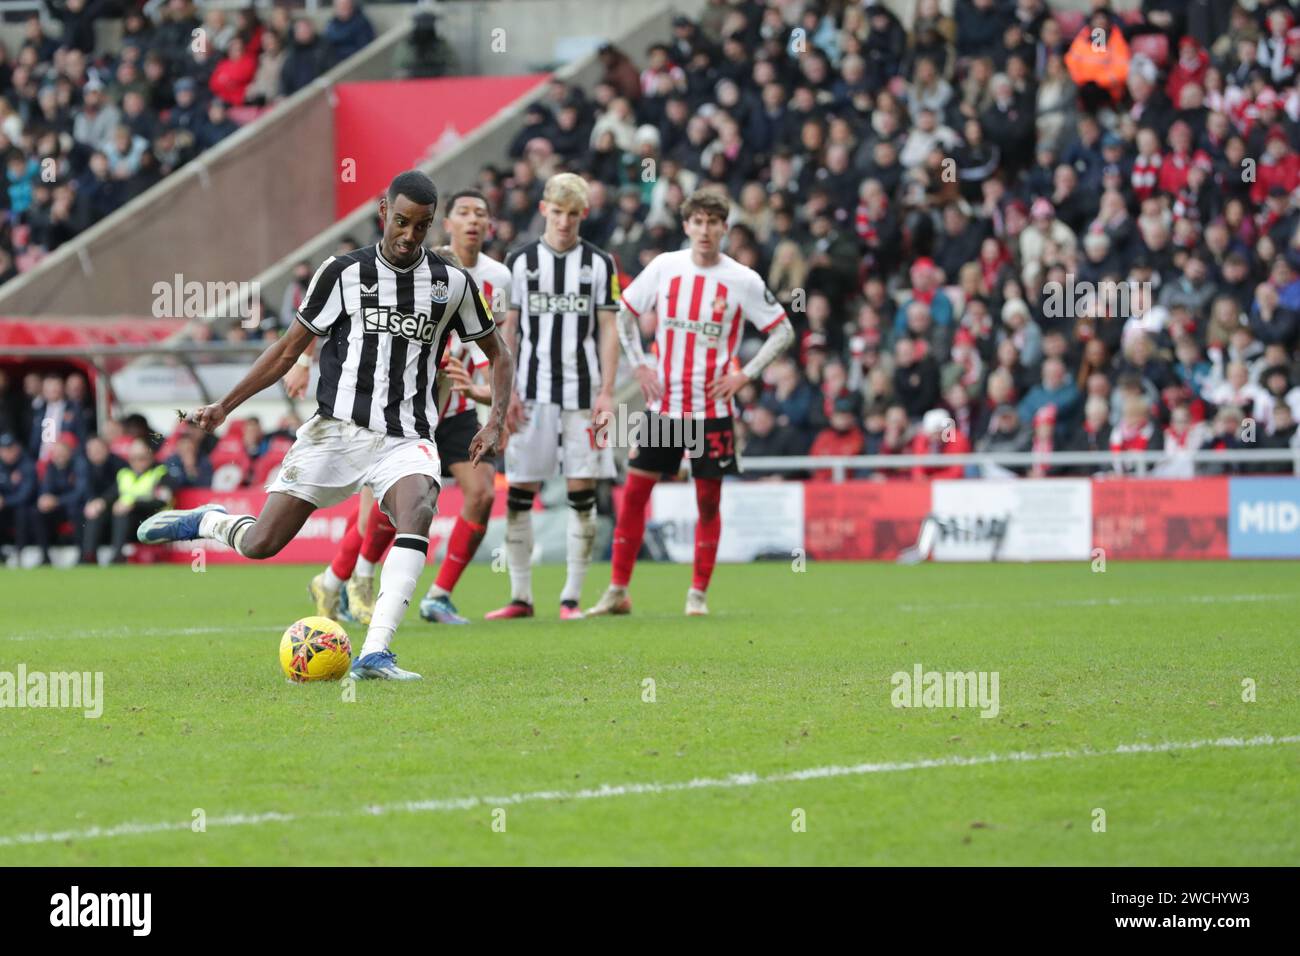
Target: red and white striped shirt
[701, 312]
[493, 279]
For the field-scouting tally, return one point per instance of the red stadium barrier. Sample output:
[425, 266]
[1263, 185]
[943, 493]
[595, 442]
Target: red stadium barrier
[1131, 518]
[1161, 519]
[864, 520]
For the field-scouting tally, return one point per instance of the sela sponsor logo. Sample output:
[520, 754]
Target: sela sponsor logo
[417, 328]
[75, 908]
[540, 303]
[66, 689]
[946, 689]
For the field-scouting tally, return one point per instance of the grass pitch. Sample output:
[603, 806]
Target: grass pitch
[535, 742]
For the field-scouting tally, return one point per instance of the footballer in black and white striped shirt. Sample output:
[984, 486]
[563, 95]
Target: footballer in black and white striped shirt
[384, 314]
[564, 298]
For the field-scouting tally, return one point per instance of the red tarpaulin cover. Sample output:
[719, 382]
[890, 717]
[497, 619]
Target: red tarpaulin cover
[386, 126]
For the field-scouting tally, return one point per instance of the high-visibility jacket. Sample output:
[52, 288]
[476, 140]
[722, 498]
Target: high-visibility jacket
[1107, 66]
[132, 487]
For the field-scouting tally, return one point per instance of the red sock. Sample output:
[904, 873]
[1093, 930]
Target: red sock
[379, 535]
[630, 528]
[345, 558]
[708, 493]
[464, 541]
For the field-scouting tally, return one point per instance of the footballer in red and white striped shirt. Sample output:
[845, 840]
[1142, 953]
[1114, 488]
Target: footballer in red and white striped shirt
[467, 223]
[701, 299]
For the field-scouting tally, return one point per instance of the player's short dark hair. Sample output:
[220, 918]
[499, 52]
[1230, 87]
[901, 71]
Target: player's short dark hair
[709, 203]
[415, 186]
[468, 192]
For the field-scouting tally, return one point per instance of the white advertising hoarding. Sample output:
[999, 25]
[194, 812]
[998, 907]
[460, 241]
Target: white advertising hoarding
[757, 519]
[1013, 520]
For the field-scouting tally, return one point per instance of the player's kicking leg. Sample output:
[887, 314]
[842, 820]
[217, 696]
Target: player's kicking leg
[258, 537]
[476, 485]
[410, 501]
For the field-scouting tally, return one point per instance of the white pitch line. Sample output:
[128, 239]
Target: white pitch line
[633, 789]
[1098, 602]
[129, 631]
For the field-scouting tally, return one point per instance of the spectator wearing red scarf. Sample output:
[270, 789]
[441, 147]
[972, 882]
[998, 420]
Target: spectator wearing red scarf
[1193, 63]
[1279, 166]
[1173, 171]
[939, 435]
[842, 437]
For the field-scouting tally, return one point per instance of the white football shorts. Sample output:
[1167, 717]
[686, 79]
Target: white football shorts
[553, 440]
[331, 459]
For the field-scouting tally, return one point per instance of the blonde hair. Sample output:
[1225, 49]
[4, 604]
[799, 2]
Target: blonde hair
[566, 188]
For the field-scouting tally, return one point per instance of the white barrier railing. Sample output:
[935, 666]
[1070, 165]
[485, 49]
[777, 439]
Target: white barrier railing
[1128, 461]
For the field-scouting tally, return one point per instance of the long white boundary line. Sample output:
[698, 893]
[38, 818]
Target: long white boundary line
[632, 789]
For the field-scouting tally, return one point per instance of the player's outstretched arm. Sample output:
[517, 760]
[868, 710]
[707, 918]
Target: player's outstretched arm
[269, 368]
[502, 363]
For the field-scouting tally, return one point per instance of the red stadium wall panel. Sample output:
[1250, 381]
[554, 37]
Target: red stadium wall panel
[1155, 519]
[386, 126]
[863, 520]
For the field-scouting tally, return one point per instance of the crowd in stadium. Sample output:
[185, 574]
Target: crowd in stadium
[65, 479]
[85, 128]
[917, 198]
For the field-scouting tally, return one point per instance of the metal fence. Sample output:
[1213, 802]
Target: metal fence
[999, 464]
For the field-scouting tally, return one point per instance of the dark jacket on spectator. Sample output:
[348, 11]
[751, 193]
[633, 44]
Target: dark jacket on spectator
[305, 62]
[917, 386]
[348, 36]
[67, 484]
[18, 483]
[101, 480]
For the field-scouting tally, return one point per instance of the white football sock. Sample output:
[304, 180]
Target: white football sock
[364, 568]
[581, 540]
[519, 554]
[402, 570]
[332, 582]
[228, 529]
